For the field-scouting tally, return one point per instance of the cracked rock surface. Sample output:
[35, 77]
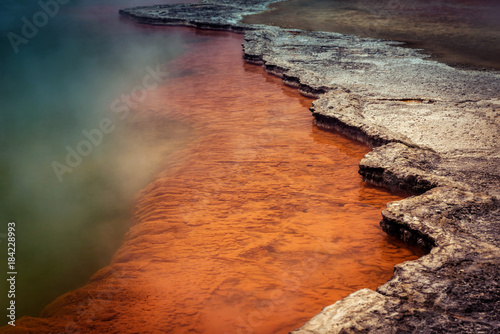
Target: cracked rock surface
[435, 130]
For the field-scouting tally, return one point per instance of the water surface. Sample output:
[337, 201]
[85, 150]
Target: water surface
[259, 223]
[250, 219]
[63, 82]
[460, 33]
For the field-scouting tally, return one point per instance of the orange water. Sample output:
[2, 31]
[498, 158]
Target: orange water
[256, 222]
[260, 221]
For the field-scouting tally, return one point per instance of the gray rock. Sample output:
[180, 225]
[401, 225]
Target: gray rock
[215, 15]
[453, 289]
[435, 130]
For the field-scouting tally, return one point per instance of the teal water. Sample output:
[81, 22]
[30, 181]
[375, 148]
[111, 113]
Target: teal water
[61, 81]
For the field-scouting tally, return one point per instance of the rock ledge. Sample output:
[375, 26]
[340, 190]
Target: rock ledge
[435, 132]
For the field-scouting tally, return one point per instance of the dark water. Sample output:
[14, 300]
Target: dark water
[461, 33]
[63, 80]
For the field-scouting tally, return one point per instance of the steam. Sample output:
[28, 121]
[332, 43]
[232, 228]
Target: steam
[60, 83]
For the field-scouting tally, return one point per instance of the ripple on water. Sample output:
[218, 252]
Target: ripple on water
[254, 225]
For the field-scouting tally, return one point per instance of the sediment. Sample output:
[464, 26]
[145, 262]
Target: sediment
[435, 132]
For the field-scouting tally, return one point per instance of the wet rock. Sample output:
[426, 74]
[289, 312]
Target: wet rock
[417, 170]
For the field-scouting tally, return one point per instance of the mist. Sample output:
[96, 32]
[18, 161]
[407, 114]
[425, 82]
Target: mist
[62, 82]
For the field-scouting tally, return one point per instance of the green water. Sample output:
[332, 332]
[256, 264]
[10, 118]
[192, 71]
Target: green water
[61, 82]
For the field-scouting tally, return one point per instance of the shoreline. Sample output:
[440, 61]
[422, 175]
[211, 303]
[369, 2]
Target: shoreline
[427, 147]
[247, 150]
[459, 33]
[458, 185]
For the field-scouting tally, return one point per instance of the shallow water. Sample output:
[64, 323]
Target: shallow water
[261, 222]
[62, 82]
[255, 220]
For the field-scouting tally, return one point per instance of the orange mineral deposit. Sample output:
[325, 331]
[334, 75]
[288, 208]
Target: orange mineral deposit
[252, 226]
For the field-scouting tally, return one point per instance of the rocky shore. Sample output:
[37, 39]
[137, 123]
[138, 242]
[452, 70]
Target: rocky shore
[435, 131]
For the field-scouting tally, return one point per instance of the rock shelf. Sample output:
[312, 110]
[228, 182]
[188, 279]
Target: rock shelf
[435, 132]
